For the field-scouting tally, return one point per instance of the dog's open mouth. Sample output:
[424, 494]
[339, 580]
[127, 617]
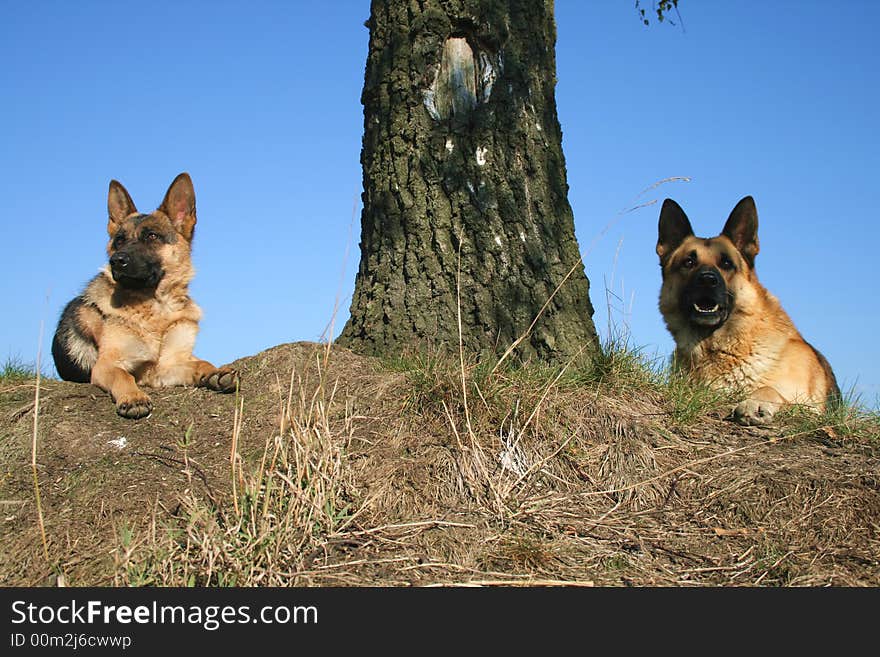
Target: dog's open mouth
[704, 307]
[706, 311]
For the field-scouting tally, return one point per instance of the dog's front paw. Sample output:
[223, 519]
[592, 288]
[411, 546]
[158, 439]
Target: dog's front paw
[223, 379]
[134, 407]
[755, 412]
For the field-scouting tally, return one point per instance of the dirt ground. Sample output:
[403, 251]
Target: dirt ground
[518, 485]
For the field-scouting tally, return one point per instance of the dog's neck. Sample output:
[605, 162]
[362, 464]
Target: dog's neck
[733, 355]
[170, 292]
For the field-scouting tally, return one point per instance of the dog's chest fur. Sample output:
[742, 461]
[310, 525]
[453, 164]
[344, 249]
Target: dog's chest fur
[151, 318]
[739, 355]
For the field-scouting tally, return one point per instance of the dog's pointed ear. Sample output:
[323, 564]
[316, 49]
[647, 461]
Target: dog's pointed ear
[742, 229]
[180, 205]
[673, 228]
[119, 206]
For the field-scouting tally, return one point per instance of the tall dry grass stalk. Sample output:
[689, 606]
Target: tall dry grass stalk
[327, 335]
[467, 414]
[485, 476]
[234, 458]
[37, 497]
[581, 259]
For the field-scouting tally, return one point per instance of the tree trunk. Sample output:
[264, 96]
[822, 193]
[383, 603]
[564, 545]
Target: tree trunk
[465, 192]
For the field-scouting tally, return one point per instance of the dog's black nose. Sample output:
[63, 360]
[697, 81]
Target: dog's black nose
[119, 260]
[709, 278]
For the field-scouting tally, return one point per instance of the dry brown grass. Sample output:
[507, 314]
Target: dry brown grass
[350, 471]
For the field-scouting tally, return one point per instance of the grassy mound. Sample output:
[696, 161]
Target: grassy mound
[334, 469]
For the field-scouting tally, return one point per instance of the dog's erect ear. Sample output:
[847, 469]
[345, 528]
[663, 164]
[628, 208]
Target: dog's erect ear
[180, 205]
[119, 206]
[673, 229]
[742, 229]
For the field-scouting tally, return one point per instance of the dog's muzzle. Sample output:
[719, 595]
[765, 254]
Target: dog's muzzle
[706, 300]
[134, 272]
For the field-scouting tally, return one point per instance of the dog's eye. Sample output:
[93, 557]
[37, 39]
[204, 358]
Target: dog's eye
[118, 241]
[689, 262]
[726, 263]
[151, 236]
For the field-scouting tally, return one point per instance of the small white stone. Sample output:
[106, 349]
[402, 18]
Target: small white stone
[481, 155]
[119, 443]
[497, 240]
[449, 145]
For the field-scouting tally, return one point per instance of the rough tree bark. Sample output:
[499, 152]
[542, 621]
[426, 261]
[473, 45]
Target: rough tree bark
[462, 151]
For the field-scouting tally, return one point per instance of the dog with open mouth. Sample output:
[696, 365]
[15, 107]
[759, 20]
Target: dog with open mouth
[730, 332]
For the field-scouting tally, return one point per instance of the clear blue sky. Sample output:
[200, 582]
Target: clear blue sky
[260, 103]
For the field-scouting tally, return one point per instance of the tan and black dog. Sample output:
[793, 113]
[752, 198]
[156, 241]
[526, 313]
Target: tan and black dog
[135, 322]
[729, 331]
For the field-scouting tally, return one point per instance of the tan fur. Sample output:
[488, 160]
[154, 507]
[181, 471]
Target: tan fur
[757, 350]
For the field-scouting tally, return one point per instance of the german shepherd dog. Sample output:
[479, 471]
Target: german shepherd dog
[729, 331]
[135, 322]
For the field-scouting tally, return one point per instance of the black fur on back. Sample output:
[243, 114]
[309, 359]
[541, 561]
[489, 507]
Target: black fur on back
[68, 329]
